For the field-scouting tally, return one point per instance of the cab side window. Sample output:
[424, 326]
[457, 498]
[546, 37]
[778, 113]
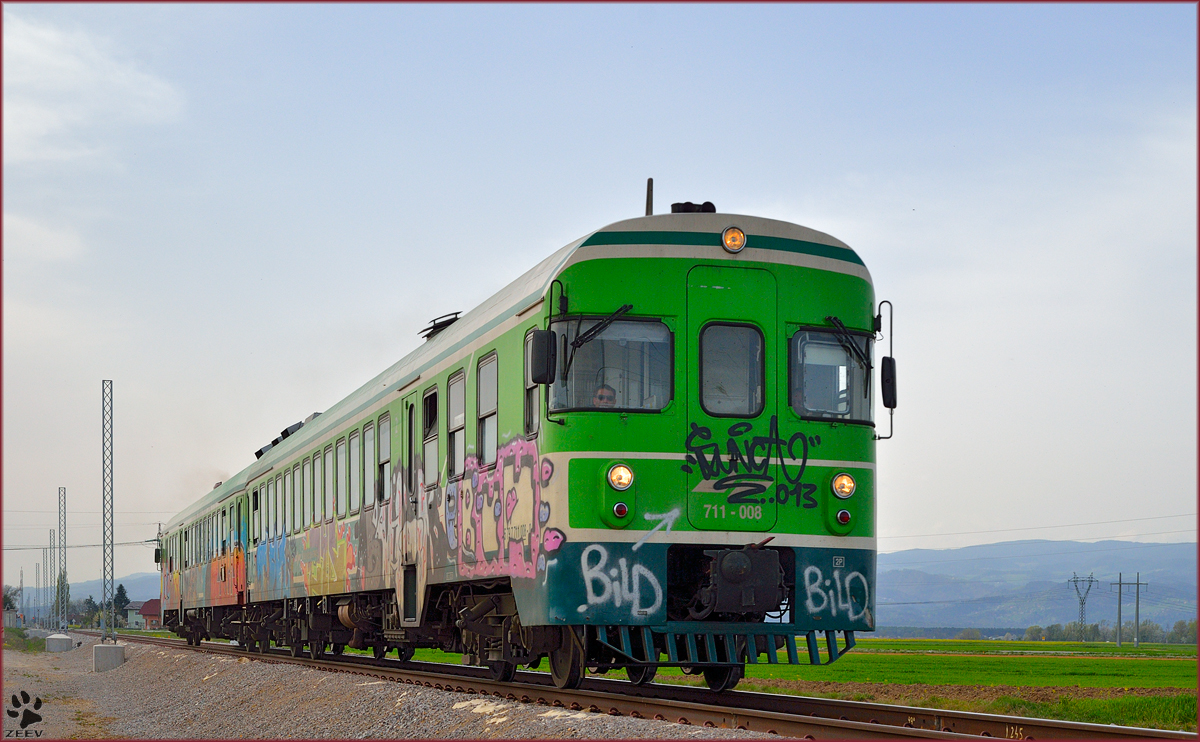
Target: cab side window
[429, 431]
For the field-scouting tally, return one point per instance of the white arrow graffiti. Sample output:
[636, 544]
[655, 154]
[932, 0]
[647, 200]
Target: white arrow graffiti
[664, 520]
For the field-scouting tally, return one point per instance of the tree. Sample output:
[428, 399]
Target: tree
[12, 596]
[969, 634]
[1184, 632]
[120, 600]
[90, 609]
[1034, 634]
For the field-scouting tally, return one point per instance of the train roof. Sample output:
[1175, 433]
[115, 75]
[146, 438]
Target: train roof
[768, 240]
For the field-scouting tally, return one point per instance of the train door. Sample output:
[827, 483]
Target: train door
[731, 398]
[406, 503]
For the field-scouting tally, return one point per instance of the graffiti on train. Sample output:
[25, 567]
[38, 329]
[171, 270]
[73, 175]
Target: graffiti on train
[741, 464]
[498, 516]
[844, 591]
[618, 585]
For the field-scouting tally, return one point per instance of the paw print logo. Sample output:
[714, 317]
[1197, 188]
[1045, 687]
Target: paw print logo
[20, 707]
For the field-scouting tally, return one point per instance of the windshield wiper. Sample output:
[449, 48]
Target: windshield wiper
[847, 342]
[591, 334]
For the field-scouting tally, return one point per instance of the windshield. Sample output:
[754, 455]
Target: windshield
[627, 366]
[827, 381]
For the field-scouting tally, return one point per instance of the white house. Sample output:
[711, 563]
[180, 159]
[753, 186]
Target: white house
[134, 619]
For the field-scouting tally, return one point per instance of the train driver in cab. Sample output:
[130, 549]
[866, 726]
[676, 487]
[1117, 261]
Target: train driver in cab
[605, 396]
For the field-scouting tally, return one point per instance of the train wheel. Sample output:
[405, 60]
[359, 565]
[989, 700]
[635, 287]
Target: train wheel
[566, 662]
[405, 653]
[641, 674]
[502, 672]
[722, 678]
[339, 648]
[379, 651]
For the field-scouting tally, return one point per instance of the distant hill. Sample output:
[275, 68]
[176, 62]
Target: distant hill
[140, 586]
[1024, 583]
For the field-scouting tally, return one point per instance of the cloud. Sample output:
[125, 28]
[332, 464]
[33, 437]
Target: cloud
[26, 238]
[64, 89]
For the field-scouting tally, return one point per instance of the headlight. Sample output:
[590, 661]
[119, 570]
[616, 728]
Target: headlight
[843, 485]
[733, 239]
[620, 477]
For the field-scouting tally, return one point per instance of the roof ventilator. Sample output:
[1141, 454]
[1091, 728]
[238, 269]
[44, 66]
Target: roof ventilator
[283, 434]
[439, 324]
[688, 207]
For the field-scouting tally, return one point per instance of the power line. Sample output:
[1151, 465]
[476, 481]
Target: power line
[85, 546]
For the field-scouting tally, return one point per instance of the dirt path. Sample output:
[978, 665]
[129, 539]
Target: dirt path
[913, 694]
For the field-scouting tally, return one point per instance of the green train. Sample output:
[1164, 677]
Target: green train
[654, 448]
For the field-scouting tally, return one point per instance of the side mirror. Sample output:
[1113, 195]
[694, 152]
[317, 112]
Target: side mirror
[542, 357]
[157, 555]
[887, 382]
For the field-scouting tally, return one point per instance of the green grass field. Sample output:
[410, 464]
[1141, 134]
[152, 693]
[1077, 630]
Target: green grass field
[1020, 664]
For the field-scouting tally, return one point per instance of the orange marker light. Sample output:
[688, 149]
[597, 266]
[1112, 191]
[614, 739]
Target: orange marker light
[733, 239]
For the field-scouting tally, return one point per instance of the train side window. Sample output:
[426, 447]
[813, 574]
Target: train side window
[306, 476]
[318, 489]
[370, 465]
[280, 508]
[297, 500]
[384, 477]
[185, 548]
[731, 370]
[341, 478]
[486, 403]
[239, 521]
[329, 483]
[429, 431]
[288, 507]
[224, 533]
[355, 471]
[269, 525]
[254, 521]
[384, 486]
[533, 400]
[456, 422]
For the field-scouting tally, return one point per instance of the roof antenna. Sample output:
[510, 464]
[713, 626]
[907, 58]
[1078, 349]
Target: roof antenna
[649, 196]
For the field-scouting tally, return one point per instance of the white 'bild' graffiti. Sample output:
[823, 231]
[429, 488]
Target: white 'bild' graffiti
[619, 585]
[838, 595]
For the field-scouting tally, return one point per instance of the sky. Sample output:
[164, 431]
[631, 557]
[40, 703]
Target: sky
[240, 213]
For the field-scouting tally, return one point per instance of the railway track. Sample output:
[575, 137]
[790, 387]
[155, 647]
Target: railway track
[791, 716]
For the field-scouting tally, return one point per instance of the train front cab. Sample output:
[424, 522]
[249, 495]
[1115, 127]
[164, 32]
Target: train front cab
[721, 503]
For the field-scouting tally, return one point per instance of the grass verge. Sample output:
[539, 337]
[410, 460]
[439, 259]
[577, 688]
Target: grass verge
[18, 640]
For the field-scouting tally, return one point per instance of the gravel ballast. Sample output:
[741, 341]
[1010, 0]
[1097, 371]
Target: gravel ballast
[163, 693]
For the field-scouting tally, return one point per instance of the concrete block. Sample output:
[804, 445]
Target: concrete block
[59, 643]
[107, 656]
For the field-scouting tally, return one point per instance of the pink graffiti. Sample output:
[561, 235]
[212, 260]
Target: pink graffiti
[488, 497]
